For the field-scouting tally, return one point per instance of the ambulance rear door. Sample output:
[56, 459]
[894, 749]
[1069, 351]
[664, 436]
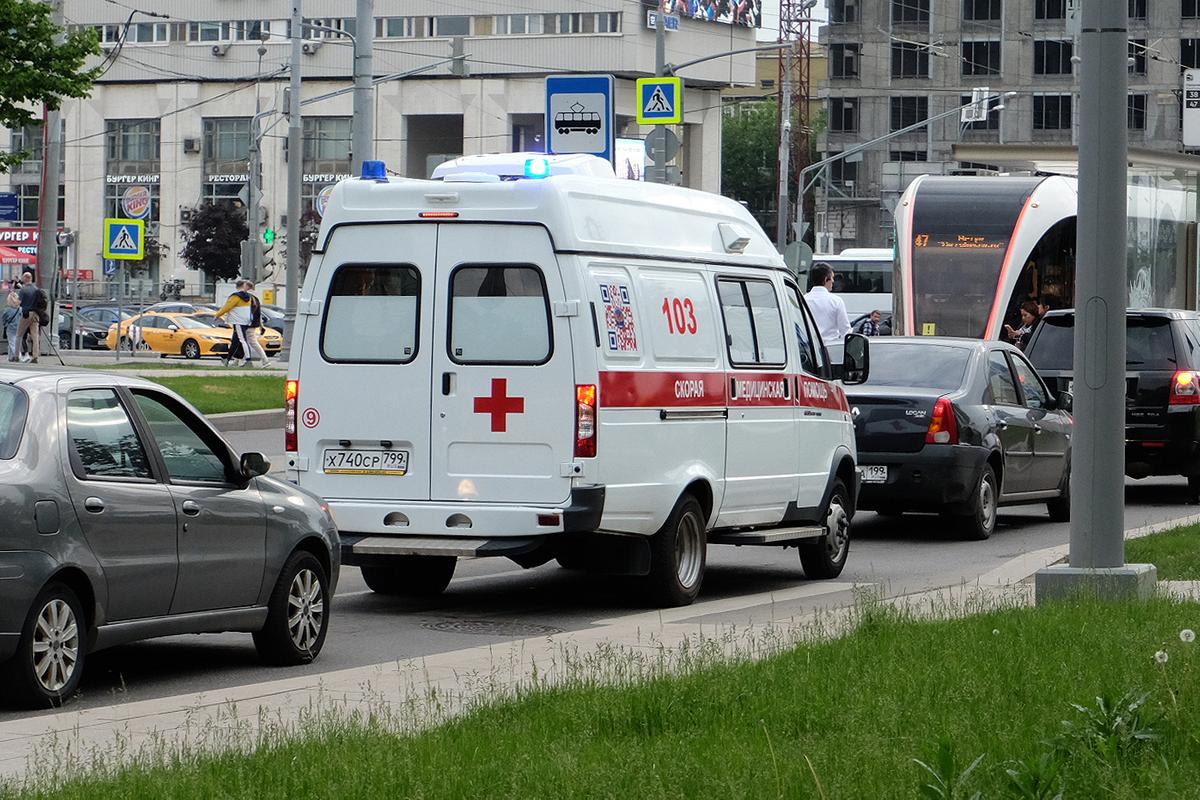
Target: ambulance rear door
[365, 378]
[504, 402]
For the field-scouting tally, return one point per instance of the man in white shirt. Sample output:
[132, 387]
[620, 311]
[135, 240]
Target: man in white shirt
[827, 308]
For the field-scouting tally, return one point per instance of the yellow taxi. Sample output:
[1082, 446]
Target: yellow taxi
[182, 335]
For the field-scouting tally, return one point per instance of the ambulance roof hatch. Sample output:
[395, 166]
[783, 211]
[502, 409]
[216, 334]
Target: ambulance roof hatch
[522, 166]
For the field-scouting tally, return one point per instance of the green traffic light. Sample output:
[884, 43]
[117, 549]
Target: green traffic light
[269, 236]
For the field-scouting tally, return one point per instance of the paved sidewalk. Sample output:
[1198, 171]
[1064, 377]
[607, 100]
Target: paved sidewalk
[418, 692]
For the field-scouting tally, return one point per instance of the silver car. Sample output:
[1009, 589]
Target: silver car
[124, 515]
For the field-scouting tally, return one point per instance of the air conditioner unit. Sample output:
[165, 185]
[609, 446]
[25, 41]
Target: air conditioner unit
[220, 49]
[311, 48]
[191, 145]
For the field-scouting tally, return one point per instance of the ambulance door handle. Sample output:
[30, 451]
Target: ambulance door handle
[733, 388]
[447, 383]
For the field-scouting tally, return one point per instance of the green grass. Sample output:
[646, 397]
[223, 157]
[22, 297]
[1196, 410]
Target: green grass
[220, 394]
[851, 714]
[1176, 553]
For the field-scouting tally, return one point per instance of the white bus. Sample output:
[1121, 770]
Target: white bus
[864, 279]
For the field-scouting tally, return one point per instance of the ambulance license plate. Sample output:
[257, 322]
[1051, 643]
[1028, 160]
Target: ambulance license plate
[873, 474]
[366, 462]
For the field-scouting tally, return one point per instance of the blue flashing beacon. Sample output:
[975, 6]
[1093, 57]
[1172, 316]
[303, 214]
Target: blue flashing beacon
[536, 168]
[374, 171]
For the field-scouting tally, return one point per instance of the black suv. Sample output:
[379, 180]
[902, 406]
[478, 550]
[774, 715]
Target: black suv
[1162, 386]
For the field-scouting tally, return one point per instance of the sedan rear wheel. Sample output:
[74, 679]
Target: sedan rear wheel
[981, 522]
[46, 669]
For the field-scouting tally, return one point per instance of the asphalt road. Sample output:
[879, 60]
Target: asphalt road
[494, 601]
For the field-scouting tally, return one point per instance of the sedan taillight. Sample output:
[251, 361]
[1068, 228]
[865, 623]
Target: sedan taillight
[943, 426]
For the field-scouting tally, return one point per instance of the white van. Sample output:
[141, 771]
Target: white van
[606, 372]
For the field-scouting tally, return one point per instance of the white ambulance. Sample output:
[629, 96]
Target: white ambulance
[512, 361]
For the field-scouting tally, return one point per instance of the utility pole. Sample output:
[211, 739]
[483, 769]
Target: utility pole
[1097, 552]
[785, 151]
[657, 173]
[251, 252]
[52, 149]
[295, 174]
[362, 147]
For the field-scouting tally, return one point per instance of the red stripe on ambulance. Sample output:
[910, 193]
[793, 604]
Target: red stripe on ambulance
[654, 389]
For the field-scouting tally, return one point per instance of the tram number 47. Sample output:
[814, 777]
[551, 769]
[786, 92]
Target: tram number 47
[680, 314]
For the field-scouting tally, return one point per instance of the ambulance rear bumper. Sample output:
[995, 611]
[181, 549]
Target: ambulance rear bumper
[471, 520]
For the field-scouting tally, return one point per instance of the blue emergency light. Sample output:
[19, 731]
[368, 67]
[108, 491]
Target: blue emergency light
[537, 168]
[374, 171]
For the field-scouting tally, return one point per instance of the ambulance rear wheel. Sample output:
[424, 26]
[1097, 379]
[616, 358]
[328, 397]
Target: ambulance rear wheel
[411, 576]
[824, 558]
[678, 553]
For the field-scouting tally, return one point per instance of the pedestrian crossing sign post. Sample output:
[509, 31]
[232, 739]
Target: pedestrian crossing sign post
[660, 101]
[125, 239]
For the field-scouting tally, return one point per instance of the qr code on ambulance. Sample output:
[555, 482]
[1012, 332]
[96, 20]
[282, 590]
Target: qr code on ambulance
[618, 318]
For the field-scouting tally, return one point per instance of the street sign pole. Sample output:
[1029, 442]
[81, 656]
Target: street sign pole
[1097, 551]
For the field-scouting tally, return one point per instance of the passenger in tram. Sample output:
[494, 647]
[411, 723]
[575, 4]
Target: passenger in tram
[1029, 320]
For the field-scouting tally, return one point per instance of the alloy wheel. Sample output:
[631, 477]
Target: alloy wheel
[306, 610]
[55, 645]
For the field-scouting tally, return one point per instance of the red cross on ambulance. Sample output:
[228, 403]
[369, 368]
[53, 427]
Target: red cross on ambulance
[499, 405]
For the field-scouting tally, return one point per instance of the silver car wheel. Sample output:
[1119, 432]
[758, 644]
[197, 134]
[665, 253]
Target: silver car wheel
[987, 504]
[838, 523]
[306, 610]
[689, 550]
[55, 645]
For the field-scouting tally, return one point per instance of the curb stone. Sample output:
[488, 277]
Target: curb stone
[266, 420]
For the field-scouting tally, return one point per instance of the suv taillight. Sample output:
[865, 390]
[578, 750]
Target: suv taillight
[1185, 388]
[585, 420]
[290, 399]
[943, 426]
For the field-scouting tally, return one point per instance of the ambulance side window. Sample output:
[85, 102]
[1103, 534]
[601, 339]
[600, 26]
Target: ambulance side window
[499, 314]
[753, 326]
[372, 314]
[811, 356]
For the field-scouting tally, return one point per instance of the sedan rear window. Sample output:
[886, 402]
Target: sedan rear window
[918, 366]
[1149, 344]
[13, 407]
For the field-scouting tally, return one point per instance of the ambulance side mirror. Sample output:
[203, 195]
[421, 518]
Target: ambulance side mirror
[856, 359]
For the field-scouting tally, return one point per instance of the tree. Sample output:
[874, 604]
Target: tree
[34, 69]
[213, 240]
[750, 159]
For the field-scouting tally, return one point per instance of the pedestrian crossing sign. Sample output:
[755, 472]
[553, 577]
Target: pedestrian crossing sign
[125, 239]
[659, 101]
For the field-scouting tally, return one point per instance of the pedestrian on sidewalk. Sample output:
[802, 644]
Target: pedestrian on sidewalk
[241, 310]
[34, 314]
[12, 321]
[255, 351]
[828, 310]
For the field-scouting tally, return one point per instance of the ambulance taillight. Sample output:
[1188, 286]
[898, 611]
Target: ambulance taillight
[585, 420]
[291, 398]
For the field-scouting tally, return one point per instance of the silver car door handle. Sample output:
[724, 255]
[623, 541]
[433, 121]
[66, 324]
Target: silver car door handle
[94, 505]
[191, 508]
[1037, 428]
[1002, 425]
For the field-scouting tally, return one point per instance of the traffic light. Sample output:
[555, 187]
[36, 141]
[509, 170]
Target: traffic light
[266, 254]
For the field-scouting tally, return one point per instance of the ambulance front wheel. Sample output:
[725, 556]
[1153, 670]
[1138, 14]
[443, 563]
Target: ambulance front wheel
[678, 553]
[824, 558]
[411, 576]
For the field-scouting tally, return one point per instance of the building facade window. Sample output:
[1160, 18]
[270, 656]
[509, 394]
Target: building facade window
[29, 200]
[910, 60]
[1137, 9]
[1137, 56]
[30, 139]
[908, 111]
[326, 155]
[132, 145]
[992, 123]
[401, 27]
[843, 60]
[452, 26]
[843, 114]
[843, 173]
[1052, 112]
[910, 11]
[242, 30]
[1189, 53]
[1052, 57]
[132, 190]
[908, 155]
[1137, 112]
[843, 11]
[981, 57]
[518, 24]
[1189, 9]
[1050, 9]
[985, 10]
[226, 158]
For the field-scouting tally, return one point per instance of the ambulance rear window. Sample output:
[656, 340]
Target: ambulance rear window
[499, 314]
[372, 314]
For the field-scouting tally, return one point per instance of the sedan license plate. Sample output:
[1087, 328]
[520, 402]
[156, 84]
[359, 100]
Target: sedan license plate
[873, 474]
[366, 462]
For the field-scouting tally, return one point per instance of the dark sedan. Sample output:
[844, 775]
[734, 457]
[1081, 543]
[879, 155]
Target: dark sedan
[960, 427]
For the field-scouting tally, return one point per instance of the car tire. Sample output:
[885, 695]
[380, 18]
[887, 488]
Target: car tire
[190, 349]
[411, 576]
[824, 558]
[571, 559]
[980, 523]
[1060, 507]
[297, 613]
[55, 626]
[678, 555]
